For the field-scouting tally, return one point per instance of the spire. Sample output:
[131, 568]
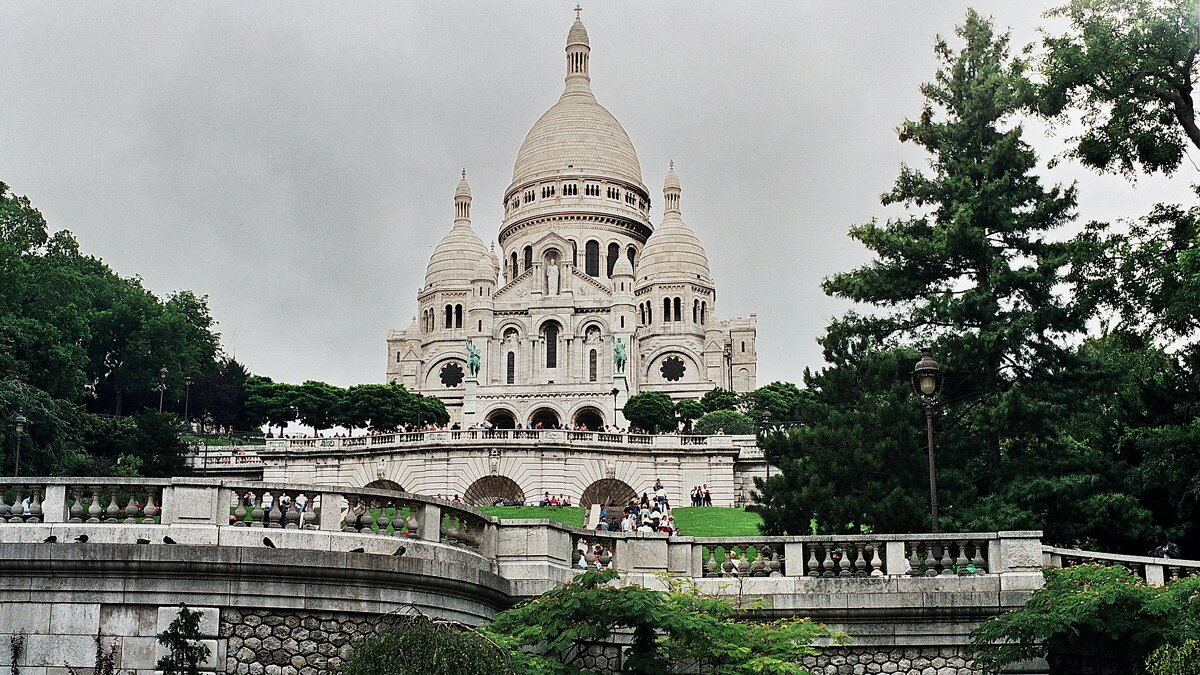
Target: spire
[577, 56]
[462, 200]
[671, 192]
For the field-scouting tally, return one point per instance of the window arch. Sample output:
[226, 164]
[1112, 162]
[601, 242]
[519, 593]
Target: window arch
[592, 360]
[591, 258]
[449, 316]
[649, 313]
[614, 254]
[703, 309]
[695, 311]
[458, 316]
[631, 253]
[528, 257]
[666, 309]
[550, 334]
[574, 254]
[678, 313]
[510, 368]
[514, 267]
[642, 313]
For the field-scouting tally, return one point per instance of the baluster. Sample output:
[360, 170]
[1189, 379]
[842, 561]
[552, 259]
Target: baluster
[35, 505]
[313, 510]
[811, 565]
[76, 510]
[350, 520]
[980, 562]
[858, 565]
[710, 565]
[239, 513]
[577, 555]
[1173, 573]
[398, 521]
[94, 508]
[843, 563]
[274, 514]
[5, 509]
[414, 525]
[606, 555]
[308, 516]
[775, 565]
[151, 512]
[914, 559]
[876, 560]
[728, 566]
[931, 562]
[18, 505]
[113, 511]
[962, 561]
[743, 562]
[368, 517]
[946, 562]
[827, 564]
[131, 509]
[758, 566]
[292, 517]
[257, 515]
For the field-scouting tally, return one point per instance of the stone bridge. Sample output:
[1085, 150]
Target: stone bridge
[288, 576]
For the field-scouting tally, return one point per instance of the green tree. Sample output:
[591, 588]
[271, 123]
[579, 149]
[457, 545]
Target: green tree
[729, 422]
[972, 268]
[780, 399]
[378, 406]
[678, 625]
[269, 402]
[650, 411]
[432, 410]
[689, 409]
[423, 646]
[221, 393]
[1128, 66]
[50, 444]
[1101, 613]
[182, 640]
[317, 404]
[719, 399]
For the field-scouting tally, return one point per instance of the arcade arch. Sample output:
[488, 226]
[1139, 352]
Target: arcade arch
[383, 484]
[589, 417]
[547, 417]
[487, 490]
[607, 492]
[502, 418]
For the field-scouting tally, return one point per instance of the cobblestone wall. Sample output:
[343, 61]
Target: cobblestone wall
[901, 661]
[294, 643]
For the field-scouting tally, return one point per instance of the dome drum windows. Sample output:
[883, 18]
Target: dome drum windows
[548, 191]
[570, 190]
[613, 193]
[591, 190]
[550, 333]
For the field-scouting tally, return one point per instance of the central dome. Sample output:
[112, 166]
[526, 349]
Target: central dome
[577, 135]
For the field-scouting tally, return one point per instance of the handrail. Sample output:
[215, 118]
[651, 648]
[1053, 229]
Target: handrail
[490, 436]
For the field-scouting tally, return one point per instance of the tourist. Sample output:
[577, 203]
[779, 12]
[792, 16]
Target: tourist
[1164, 548]
[660, 495]
[545, 499]
[707, 497]
[456, 500]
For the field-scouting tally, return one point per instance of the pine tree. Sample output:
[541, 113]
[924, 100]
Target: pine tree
[182, 639]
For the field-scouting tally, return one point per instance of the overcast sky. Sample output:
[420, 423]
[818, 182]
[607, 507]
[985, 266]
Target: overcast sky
[296, 162]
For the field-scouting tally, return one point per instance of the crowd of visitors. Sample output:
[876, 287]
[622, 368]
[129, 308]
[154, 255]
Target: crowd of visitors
[648, 514]
[488, 426]
[701, 496]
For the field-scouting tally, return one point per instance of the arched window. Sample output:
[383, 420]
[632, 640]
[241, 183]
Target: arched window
[480, 328]
[574, 254]
[591, 258]
[678, 314]
[743, 345]
[550, 333]
[703, 309]
[510, 368]
[649, 314]
[449, 316]
[641, 314]
[528, 257]
[631, 253]
[514, 267]
[614, 253]
[458, 316]
[622, 321]
[592, 366]
[666, 309]
[695, 311]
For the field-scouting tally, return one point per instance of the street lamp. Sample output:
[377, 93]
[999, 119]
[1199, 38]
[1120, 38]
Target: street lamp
[187, 400]
[927, 385]
[615, 392]
[766, 421]
[206, 423]
[162, 386]
[18, 427]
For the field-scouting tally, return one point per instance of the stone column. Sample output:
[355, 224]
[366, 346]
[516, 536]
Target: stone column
[469, 401]
[430, 528]
[621, 383]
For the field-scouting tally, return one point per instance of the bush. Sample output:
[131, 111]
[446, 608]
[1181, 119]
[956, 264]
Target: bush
[731, 421]
[1175, 660]
[423, 646]
[650, 411]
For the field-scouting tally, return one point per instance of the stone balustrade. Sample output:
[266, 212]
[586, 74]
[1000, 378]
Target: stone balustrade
[223, 458]
[1154, 571]
[504, 436]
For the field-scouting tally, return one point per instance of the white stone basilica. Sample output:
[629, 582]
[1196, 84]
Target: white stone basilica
[588, 302]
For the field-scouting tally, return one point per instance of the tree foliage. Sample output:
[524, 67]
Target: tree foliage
[719, 399]
[1101, 613]
[182, 640]
[419, 645]
[650, 411]
[729, 422]
[1129, 67]
[671, 629]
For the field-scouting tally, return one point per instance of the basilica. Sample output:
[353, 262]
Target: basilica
[586, 302]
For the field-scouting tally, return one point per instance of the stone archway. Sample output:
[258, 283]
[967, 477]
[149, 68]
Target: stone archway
[547, 417]
[502, 419]
[589, 417]
[383, 484]
[607, 492]
[485, 491]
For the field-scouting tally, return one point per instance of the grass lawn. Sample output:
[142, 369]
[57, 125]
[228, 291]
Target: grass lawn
[716, 521]
[569, 515]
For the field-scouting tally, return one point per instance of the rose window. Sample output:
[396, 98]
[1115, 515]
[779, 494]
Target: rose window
[672, 369]
[452, 374]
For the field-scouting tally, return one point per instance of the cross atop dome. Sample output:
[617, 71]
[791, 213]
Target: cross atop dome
[578, 9]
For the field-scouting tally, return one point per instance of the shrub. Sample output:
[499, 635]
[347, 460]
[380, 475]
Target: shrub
[420, 645]
[731, 421]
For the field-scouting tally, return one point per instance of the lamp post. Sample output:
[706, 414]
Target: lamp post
[615, 392]
[927, 385]
[162, 386]
[187, 400]
[19, 428]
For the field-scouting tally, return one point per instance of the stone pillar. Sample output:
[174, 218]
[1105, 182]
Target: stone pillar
[893, 558]
[469, 408]
[1016, 552]
[621, 384]
[430, 528]
[55, 504]
[331, 512]
[793, 553]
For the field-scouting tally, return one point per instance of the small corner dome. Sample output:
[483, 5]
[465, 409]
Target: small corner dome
[673, 252]
[577, 35]
[455, 257]
[623, 268]
[484, 270]
[464, 188]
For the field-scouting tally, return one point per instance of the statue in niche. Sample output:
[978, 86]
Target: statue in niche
[592, 337]
[552, 277]
[472, 359]
[619, 355]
